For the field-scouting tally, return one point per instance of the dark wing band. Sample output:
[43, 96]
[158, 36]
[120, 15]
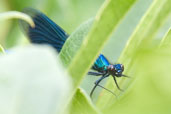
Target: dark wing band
[45, 31]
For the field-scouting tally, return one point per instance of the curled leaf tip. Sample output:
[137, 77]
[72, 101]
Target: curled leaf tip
[17, 15]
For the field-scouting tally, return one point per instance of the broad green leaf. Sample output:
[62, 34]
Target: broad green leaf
[104, 24]
[166, 39]
[32, 81]
[81, 104]
[74, 42]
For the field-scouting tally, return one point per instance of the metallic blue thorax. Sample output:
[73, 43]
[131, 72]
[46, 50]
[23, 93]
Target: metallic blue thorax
[101, 64]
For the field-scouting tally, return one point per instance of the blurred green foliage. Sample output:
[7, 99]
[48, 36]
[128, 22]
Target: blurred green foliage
[139, 32]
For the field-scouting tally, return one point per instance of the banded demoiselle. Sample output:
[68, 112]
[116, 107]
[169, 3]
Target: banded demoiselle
[48, 32]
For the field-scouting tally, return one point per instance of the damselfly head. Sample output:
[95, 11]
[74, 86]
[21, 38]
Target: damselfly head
[116, 69]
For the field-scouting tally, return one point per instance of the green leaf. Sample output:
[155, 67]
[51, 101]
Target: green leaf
[104, 24]
[167, 39]
[74, 42]
[81, 104]
[32, 83]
